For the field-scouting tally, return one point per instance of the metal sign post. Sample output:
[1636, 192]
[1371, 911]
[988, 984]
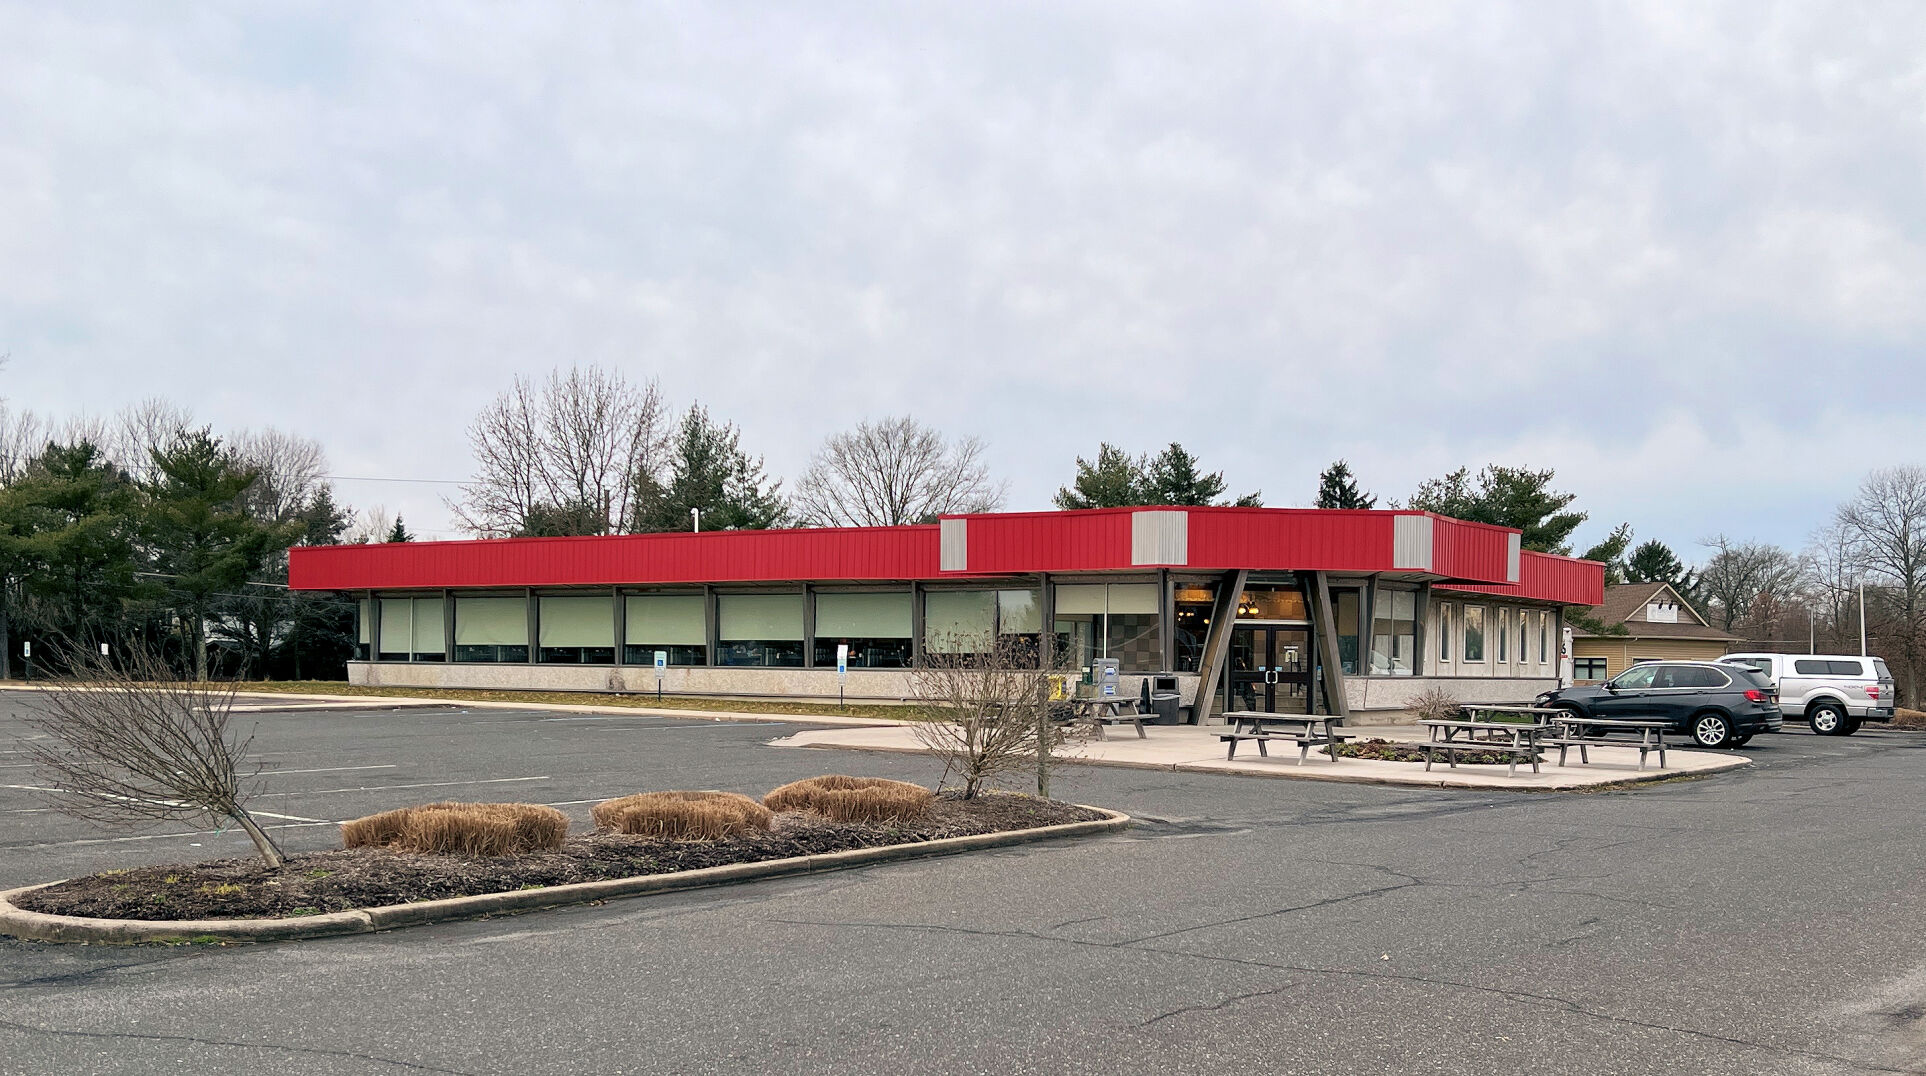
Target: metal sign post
[26, 651]
[661, 671]
[842, 672]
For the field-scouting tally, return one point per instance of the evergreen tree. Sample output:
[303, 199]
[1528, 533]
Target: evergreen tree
[1610, 551]
[68, 553]
[1654, 562]
[1116, 480]
[203, 539]
[398, 532]
[1174, 477]
[1336, 488]
[708, 470]
[1516, 497]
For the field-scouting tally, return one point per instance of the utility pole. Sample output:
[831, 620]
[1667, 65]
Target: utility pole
[1862, 619]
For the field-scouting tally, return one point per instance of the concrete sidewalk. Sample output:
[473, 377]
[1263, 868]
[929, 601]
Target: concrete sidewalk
[1197, 750]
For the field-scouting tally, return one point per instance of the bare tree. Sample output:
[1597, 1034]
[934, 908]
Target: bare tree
[1741, 574]
[1886, 524]
[153, 425]
[372, 525]
[987, 715]
[567, 453]
[292, 468]
[894, 471]
[135, 745]
[23, 437]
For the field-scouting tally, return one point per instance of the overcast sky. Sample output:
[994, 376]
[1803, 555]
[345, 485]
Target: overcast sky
[1675, 251]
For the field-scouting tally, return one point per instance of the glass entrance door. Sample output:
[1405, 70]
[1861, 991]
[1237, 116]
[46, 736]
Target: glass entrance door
[1270, 669]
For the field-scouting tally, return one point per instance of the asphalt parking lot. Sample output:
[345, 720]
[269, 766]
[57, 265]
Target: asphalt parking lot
[1764, 921]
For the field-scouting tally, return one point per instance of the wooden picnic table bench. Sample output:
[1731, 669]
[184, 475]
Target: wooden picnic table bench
[1513, 739]
[1584, 733]
[1109, 710]
[1305, 730]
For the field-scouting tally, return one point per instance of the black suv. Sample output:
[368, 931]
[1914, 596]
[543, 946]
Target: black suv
[1717, 705]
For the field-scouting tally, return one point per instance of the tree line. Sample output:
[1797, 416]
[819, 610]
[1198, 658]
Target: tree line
[147, 533]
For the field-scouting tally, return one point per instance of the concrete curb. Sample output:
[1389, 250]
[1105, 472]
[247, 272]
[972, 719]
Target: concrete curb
[1307, 774]
[416, 702]
[19, 923]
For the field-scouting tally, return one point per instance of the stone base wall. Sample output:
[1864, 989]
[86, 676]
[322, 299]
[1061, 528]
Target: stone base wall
[1385, 700]
[865, 685]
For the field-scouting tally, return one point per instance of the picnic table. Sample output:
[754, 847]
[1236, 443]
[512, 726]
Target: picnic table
[1577, 730]
[1108, 710]
[1304, 730]
[1450, 736]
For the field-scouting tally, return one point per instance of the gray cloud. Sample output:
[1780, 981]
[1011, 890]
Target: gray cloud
[1673, 251]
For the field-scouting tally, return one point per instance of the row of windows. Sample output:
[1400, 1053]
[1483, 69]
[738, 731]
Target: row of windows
[1499, 634]
[1105, 620]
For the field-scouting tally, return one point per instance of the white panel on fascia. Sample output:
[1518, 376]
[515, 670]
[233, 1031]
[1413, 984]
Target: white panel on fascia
[953, 552]
[1411, 543]
[1160, 538]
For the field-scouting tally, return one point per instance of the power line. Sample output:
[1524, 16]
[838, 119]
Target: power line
[421, 481]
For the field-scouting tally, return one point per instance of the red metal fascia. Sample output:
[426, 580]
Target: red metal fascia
[1547, 577]
[1077, 541]
[1287, 539]
[1472, 551]
[856, 553]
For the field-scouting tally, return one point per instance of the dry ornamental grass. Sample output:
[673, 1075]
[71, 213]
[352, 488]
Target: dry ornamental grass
[852, 799]
[682, 816]
[469, 829]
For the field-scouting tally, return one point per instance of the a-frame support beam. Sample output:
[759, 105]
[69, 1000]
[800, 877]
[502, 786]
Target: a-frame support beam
[1327, 648]
[1223, 615]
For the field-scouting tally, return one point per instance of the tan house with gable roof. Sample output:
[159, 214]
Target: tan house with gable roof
[1659, 624]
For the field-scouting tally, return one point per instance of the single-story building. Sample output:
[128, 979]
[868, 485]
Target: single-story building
[1285, 610]
[1658, 625]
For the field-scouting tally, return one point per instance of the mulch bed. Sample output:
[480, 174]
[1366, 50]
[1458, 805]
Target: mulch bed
[318, 882]
[1394, 751]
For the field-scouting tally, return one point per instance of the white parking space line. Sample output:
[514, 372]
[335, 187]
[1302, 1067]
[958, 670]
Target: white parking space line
[422, 784]
[332, 769]
[167, 836]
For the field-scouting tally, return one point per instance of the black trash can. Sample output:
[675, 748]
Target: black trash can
[1165, 701]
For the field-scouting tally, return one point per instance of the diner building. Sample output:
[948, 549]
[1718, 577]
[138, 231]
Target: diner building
[1287, 610]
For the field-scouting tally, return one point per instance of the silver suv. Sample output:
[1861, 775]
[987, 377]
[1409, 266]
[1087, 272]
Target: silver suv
[1833, 692]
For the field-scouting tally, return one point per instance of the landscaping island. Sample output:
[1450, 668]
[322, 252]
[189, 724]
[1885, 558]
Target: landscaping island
[318, 883]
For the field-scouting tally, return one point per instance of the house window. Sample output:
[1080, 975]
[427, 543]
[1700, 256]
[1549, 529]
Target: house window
[1474, 633]
[362, 648]
[1503, 623]
[1524, 621]
[1445, 613]
[1544, 636]
[1588, 668]
[1346, 606]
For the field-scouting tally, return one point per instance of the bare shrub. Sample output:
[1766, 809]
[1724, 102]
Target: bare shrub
[134, 744]
[853, 799]
[1436, 704]
[467, 829]
[682, 816]
[988, 715]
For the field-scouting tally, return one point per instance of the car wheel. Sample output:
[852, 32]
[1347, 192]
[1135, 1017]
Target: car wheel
[1711, 730]
[1827, 719]
[1851, 726]
[1741, 741]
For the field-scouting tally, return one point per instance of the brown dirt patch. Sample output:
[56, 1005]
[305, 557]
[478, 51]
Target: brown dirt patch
[320, 882]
